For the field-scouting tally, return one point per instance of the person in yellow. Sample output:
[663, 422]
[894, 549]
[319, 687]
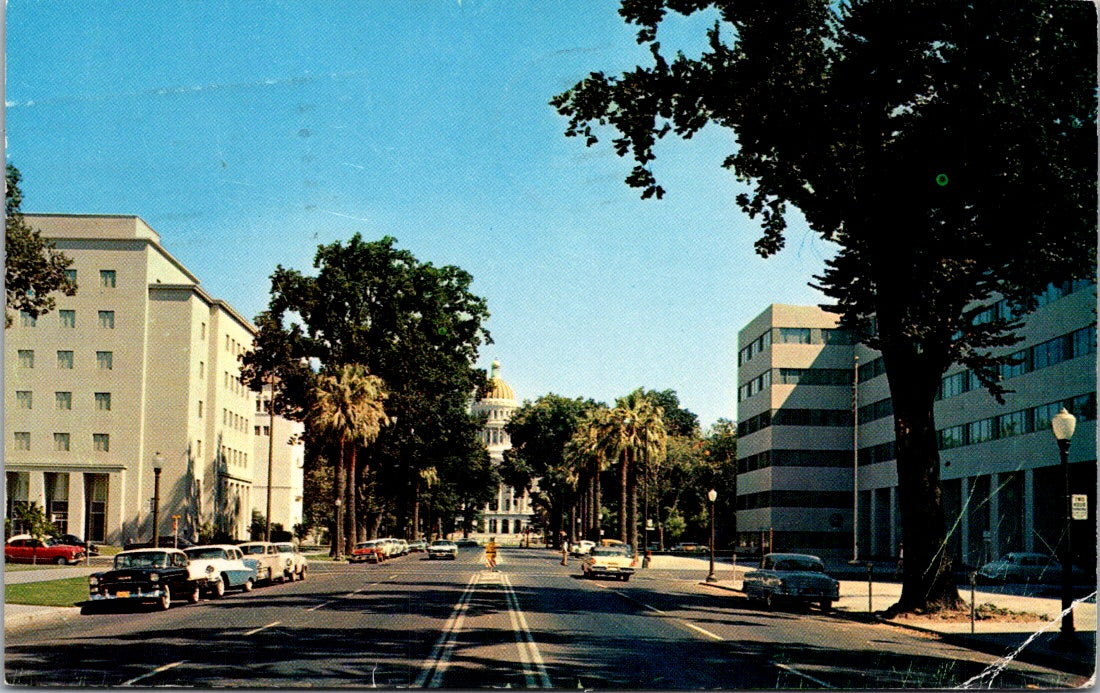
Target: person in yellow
[491, 554]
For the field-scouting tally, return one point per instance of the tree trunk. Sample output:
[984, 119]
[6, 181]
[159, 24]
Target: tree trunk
[632, 507]
[624, 493]
[351, 491]
[338, 493]
[927, 582]
[597, 507]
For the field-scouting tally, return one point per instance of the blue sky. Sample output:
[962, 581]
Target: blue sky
[246, 133]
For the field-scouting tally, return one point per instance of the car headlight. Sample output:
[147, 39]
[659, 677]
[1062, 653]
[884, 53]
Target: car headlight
[154, 577]
[782, 585]
[209, 569]
[288, 562]
[93, 581]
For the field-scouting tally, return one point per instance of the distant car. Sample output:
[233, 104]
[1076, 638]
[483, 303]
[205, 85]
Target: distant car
[1022, 566]
[270, 564]
[582, 547]
[793, 578]
[402, 547]
[372, 551]
[608, 561]
[73, 540]
[23, 548]
[146, 575]
[689, 547]
[418, 545]
[164, 542]
[224, 566]
[467, 542]
[295, 564]
[443, 549]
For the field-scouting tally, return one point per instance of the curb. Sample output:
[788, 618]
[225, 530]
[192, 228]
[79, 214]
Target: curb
[44, 616]
[1047, 659]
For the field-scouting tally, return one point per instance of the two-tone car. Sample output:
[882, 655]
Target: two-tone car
[295, 564]
[608, 561]
[23, 548]
[269, 561]
[796, 578]
[146, 575]
[224, 566]
[372, 551]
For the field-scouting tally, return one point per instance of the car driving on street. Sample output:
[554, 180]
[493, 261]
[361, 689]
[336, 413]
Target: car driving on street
[791, 578]
[608, 561]
[443, 549]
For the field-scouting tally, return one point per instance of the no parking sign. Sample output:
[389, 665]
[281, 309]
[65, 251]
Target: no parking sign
[1079, 506]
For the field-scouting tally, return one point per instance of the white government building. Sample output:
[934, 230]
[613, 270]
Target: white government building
[138, 371]
[799, 438]
[509, 514]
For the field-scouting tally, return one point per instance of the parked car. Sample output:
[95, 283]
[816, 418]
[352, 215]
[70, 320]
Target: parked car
[1023, 566]
[418, 546]
[147, 575]
[442, 548]
[23, 548]
[793, 578]
[402, 547]
[610, 561]
[167, 541]
[224, 566]
[270, 564]
[582, 547]
[295, 564]
[373, 551]
[467, 542]
[73, 540]
[689, 547]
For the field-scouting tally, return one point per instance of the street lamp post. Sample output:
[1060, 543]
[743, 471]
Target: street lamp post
[712, 496]
[156, 498]
[1063, 425]
[270, 453]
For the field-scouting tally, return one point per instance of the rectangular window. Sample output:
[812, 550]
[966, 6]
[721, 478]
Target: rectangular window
[65, 360]
[101, 442]
[952, 437]
[23, 399]
[22, 440]
[104, 360]
[1013, 424]
[27, 320]
[980, 431]
[26, 358]
[107, 278]
[1084, 341]
[200, 408]
[202, 370]
[198, 448]
[794, 335]
[70, 274]
[61, 442]
[103, 401]
[68, 318]
[107, 319]
[64, 400]
[202, 330]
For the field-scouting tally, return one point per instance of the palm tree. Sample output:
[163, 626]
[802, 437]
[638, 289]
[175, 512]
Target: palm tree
[634, 429]
[591, 452]
[349, 406]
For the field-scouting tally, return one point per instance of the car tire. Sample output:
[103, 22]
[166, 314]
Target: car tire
[165, 599]
[825, 605]
[60, 560]
[89, 609]
[768, 602]
[302, 575]
[248, 585]
[196, 595]
[219, 587]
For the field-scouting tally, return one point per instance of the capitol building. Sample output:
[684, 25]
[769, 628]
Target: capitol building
[509, 513]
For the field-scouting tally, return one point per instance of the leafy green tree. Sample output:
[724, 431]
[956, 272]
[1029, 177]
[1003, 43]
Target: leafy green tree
[34, 268]
[35, 523]
[947, 148]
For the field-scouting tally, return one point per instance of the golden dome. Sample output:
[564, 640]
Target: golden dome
[498, 389]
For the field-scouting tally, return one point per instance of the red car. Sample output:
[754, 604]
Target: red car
[368, 551]
[27, 549]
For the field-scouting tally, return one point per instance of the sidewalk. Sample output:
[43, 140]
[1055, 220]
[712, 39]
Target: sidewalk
[1031, 640]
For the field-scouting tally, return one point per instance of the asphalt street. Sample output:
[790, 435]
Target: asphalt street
[412, 622]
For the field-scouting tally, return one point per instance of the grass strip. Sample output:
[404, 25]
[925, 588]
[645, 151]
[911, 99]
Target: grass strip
[64, 592]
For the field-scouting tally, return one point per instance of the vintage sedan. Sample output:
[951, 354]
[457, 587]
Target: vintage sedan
[146, 575]
[792, 578]
[270, 563]
[224, 566]
[582, 547]
[73, 540]
[372, 551]
[609, 561]
[1028, 567]
[441, 548]
[418, 546]
[295, 564]
[23, 548]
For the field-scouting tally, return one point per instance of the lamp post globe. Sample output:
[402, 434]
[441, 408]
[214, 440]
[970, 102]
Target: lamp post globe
[712, 496]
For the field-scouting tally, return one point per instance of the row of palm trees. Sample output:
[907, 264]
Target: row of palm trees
[348, 405]
[630, 437]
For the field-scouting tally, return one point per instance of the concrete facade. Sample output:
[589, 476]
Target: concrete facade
[138, 371]
[1000, 471]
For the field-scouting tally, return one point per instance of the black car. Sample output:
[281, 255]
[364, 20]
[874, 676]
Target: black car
[73, 540]
[165, 542]
[145, 575]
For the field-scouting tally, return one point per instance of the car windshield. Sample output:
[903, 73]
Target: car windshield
[256, 548]
[285, 548]
[205, 554]
[442, 543]
[803, 564]
[145, 559]
[610, 551]
[364, 545]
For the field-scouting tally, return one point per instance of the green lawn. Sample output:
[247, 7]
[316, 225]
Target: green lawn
[65, 592]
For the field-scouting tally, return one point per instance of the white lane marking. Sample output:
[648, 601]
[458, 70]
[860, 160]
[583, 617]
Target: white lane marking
[654, 609]
[158, 670]
[796, 672]
[373, 584]
[528, 650]
[257, 630]
[704, 631]
[441, 653]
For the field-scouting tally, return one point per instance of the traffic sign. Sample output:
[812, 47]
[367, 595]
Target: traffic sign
[1079, 506]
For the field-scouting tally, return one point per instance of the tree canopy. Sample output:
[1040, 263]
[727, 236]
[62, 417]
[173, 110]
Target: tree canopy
[947, 148]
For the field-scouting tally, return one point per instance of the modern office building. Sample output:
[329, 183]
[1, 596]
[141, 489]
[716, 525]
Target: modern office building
[286, 449]
[1000, 470]
[126, 401]
[509, 513]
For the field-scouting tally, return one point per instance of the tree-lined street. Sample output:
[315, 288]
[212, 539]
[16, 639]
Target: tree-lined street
[420, 623]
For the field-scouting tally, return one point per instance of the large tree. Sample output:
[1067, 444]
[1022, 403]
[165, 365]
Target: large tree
[34, 268]
[947, 147]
